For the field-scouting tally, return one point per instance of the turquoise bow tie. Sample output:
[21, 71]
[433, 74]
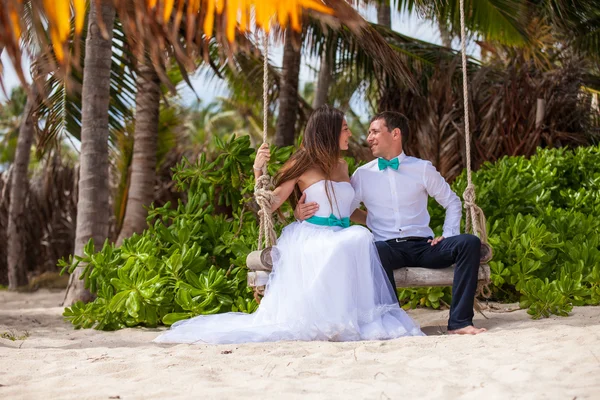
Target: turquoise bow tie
[393, 163]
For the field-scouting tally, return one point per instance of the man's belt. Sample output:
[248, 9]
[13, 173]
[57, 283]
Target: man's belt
[409, 239]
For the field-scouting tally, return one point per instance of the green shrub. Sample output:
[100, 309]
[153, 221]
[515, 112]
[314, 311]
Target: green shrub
[543, 221]
[190, 260]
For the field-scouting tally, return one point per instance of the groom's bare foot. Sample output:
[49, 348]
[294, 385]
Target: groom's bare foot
[467, 330]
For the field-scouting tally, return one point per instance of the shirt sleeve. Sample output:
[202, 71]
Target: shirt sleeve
[355, 181]
[438, 188]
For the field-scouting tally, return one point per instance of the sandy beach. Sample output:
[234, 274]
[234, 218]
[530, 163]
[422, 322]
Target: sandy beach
[519, 358]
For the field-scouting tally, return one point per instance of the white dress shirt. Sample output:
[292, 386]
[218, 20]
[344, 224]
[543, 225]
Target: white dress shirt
[396, 201]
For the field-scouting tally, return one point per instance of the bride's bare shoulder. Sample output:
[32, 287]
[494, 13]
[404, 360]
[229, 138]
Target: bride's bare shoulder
[310, 177]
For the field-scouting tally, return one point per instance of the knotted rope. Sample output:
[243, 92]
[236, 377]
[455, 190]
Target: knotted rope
[263, 188]
[263, 194]
[475, 219]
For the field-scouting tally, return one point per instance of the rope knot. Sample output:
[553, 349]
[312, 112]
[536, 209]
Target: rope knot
[265, 198]
[475, 219]
[263, 182]
[469, 195]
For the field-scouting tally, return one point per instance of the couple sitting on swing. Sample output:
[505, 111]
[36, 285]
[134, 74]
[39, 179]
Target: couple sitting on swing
[332, 281]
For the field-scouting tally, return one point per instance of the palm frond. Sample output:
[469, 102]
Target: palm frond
[581, 22]
[494, 20]
[381, 58]
[504, 101]
[61, 112]
[160, 28]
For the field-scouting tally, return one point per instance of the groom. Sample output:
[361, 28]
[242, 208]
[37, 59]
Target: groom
[395, 189]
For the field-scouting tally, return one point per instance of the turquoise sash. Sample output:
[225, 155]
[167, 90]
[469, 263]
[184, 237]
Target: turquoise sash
[332, 220]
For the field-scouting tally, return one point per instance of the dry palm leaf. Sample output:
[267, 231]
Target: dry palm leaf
[182, 26]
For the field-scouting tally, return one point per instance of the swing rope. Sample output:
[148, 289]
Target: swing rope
[474, 219]
[263, 189]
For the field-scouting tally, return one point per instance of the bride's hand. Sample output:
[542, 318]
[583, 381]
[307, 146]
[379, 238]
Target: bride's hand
[304, 210]
[263, 155]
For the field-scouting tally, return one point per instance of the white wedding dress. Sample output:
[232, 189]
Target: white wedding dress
[327, 284]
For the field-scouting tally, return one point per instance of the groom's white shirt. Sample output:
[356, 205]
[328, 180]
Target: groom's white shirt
[396, 201]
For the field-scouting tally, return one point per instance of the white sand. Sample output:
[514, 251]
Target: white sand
[555, 358]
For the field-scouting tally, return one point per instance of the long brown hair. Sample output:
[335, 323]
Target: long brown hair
[320, 148]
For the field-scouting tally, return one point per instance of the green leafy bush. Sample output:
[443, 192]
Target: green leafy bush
[190, 260]
[543, 221]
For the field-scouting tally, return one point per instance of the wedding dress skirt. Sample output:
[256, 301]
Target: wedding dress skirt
[327, 284]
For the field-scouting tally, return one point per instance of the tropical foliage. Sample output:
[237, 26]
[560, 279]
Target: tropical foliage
[190, 260]
[10, 121]
[161, 28]
[543, 216]
[543, 221]
[515, 108]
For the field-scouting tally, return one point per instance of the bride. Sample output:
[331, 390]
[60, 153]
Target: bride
[327, 281]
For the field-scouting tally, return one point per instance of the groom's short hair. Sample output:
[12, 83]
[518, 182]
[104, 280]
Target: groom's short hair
[393, 120]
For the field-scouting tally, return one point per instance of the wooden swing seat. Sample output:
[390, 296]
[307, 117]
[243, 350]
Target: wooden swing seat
[260, 265]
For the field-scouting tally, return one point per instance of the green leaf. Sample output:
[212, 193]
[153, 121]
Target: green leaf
[117, 303]
[133, 304]
[171, 318]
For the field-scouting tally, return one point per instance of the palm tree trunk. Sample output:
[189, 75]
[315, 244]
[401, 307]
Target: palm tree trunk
[16, 251]
[92, 206]
[288, 94]
[445, 34]
[143, 165]
[384, 17]
[384, 14]
[324, 80]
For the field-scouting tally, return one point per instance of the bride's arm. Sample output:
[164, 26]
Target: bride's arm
[263, 155]
[282, 192]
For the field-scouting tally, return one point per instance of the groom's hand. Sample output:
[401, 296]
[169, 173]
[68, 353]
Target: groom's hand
[435, 240]
[304, 210]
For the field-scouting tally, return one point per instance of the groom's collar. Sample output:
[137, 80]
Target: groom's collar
[400, 157]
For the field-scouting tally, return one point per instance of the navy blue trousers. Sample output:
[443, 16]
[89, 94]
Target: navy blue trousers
[462, 250]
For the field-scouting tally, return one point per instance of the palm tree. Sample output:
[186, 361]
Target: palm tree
[325, 77]
[18, 192]
[143, 24]
[92, 205]
[384, 13]
[172, 144]
[143, 166]
[288, 94]
[10, 122]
